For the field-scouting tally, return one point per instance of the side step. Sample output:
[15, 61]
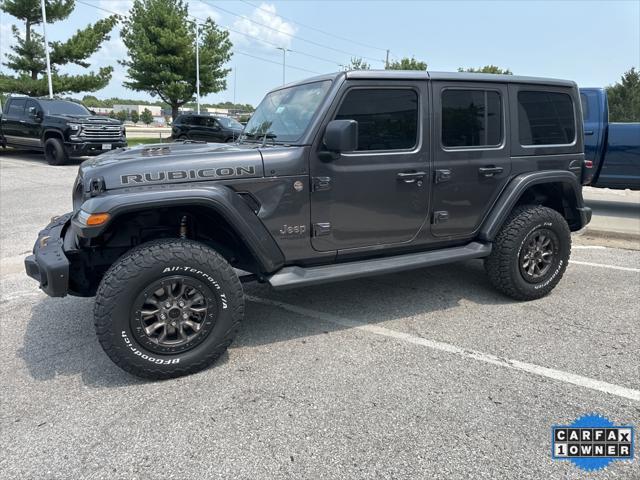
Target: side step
[290, 277]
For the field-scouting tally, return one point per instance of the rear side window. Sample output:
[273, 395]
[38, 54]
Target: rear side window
[545, 118]
[471, 118]
[387, 118]
[585, 106]
[16, 107]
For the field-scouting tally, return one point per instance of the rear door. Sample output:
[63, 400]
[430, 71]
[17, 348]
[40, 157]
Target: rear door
[471, 154]
[13, 120]
[379, 194]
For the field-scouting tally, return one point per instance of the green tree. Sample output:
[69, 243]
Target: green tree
[487, 69]
[122, 115]
[624, 98]
[135, 117]
[28, 59]
[160, 39]
[112, 114]
[406, 63]
[358, 63]
[146, 116]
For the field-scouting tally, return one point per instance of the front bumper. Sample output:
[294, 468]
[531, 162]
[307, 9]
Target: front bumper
[49, 264]
[84, 149]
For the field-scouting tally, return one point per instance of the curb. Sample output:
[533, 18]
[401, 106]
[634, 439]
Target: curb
[596, 232]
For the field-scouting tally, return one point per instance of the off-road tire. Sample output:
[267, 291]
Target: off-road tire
[503, 266]
[54, 152]
[152, 262]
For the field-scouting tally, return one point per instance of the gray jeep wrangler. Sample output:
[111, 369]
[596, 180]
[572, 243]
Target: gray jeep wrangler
[334, 178]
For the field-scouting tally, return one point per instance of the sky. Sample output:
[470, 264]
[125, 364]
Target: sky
[590, 42]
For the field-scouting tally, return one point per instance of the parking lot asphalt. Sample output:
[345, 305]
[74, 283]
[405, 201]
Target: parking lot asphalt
[424, 374]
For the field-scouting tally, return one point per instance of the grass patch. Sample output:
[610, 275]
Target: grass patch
[144, 141]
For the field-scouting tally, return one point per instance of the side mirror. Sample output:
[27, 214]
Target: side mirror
[35, 113]
[341, 136]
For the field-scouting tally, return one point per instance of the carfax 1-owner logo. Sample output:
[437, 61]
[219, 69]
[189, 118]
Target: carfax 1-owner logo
[592, 442]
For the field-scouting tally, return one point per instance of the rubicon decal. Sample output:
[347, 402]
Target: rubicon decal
[168, 175]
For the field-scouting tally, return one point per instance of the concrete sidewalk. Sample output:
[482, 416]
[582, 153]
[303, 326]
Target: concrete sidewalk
[616, 213]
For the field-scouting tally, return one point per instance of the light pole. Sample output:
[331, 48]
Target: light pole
[197, 66]
[284, 61]
[46, 47]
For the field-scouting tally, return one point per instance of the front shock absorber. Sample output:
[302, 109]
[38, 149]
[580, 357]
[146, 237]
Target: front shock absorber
[183, 227]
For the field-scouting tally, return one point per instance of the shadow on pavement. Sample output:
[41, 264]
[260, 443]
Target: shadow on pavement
[60, 337]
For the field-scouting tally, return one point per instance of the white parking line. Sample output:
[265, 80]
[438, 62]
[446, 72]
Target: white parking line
[602, 265]
[531, 368]
[588, 247]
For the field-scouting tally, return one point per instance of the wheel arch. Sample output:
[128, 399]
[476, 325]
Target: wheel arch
[51, 133]
[217, 216]
[558, 190]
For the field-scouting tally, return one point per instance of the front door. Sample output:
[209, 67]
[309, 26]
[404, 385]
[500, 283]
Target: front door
[471, 154]
[377, 195]
[32, 123]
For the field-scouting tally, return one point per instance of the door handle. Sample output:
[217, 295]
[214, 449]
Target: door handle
[490, 171]
[23, 121]
[411, 177]
[588, 132]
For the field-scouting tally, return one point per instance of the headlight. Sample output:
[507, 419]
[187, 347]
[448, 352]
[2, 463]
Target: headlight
[74, 126]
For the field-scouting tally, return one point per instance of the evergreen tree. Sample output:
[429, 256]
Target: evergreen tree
[624, 98]
[28, 58]
[160, 39]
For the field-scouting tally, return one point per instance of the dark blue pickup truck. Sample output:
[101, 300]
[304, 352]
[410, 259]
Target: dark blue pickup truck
[613, 148]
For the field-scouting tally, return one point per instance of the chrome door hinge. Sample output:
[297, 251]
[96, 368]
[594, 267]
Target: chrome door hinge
[319, 184]
[321, 229]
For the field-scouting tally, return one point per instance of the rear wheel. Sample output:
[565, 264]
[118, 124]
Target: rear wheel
[530, 253]
[54, 152]
[168, 308]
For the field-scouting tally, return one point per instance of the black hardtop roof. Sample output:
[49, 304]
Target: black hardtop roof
[429, 75]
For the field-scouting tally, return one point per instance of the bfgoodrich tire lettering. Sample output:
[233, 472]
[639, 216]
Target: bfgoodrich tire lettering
[530, 234]
[124, 338]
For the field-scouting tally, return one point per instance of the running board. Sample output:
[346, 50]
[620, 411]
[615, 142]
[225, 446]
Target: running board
[290, 277]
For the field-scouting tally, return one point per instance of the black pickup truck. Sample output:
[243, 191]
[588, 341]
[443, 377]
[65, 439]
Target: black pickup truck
[60, 128]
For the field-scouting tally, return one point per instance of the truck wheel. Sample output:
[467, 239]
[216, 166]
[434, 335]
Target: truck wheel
[168, 308]
[54, 152]
[530, 253]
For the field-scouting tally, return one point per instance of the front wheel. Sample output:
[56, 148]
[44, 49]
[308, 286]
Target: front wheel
[168, 308]
[54, 152]
[530, 253]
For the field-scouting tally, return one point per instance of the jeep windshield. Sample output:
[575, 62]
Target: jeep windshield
[284, 115]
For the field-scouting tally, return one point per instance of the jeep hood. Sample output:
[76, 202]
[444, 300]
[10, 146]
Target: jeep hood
[164, 163]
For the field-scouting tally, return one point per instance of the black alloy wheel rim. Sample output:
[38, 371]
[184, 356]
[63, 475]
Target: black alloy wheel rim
[173, 315]
[538, 255]
[53, 153]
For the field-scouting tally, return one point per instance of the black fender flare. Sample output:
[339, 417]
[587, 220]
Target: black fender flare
[55, 131]
[221, 199]
[518, 185]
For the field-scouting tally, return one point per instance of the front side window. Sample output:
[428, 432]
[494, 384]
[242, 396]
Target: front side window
[545, 118]
[471, 118]
[387, 118]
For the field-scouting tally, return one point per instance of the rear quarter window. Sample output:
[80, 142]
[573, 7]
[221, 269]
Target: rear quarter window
[545, 118]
